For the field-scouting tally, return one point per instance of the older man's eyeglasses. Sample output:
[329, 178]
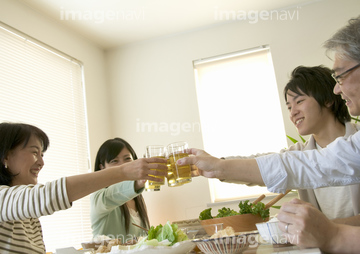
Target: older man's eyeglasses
[339, 78]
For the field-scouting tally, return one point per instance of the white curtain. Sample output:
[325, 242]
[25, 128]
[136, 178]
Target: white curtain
[44, 87]
[240, 111]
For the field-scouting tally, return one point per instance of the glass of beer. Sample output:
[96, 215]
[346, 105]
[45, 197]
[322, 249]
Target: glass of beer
[149, 187]
[156, 151]
[170, 176]
[178, 175]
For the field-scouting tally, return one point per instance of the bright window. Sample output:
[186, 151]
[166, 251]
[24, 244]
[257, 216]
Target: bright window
[44, 87]
[240, 111]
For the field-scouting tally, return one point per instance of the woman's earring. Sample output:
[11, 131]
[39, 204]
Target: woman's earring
[5, 164]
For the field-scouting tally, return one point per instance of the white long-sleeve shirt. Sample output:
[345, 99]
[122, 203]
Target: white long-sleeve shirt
[21, 206]
[334, 201]
[337, 164]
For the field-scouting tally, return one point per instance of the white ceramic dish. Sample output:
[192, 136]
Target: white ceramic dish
[271, 233]
[72, 250]
[177, 248]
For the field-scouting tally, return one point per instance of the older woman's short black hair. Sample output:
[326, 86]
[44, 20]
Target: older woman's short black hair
[13, 135]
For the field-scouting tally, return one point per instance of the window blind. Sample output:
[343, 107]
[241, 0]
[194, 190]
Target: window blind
[239, 110]
[44, 87]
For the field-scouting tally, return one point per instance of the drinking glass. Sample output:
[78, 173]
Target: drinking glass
[178, 175]
[155, 151]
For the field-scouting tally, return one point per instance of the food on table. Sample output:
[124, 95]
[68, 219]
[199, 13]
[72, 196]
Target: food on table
[111, 243]
[102, 249]
[228, 231]
[245, 208]
[169, 232]
[166, 235]
[130, 242]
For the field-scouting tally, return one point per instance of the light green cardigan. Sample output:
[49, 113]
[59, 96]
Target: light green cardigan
[106, 216]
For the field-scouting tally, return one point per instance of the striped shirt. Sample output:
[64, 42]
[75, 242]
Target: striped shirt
[21, 206]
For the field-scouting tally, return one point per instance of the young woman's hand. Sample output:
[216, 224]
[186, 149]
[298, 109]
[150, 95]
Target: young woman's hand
[145, 169]
[139, 184]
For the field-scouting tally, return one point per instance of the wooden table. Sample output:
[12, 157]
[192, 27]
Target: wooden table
[285, 249]
[272, 249]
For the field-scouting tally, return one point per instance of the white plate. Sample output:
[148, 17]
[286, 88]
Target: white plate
[72, 250]
[177, 248]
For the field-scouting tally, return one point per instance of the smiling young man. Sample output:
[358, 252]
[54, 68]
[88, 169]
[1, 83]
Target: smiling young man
[313, 107]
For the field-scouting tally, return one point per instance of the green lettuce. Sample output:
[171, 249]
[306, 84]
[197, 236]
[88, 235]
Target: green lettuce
[225, 212]
[169, 232]
[206, 214]
[180, 236]
[245, 208]
[166, 232]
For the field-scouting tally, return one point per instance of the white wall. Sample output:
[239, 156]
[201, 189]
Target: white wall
[153, 82]
[56, 34]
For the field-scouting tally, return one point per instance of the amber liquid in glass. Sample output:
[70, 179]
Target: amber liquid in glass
[152, 183]
[178, 175]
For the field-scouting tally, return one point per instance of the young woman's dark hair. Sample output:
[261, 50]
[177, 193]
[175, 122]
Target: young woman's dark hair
[13, 135]
[108, 151]
[318, 83]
